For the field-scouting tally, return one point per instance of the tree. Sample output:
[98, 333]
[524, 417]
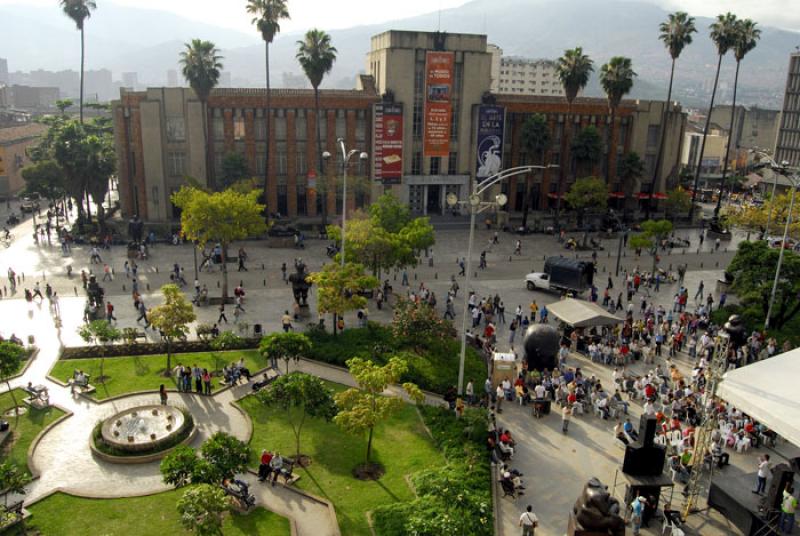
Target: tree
[226, 453]
[12, 480]
[219, 217]
[287, 346]
[573, 70]
[676, 33]
[100, 333]
[340, 288]
[678, 201]
[63, 104]
[631, 169]
[360, 409]
[418, 322]
[745, 39]
[201, 65]
[46, 178]
[390, 213]
[178, 466]
[79, 11]
[653, 232]
[775, 211]
[316, 56]
[616, 79]
[300, 395]
[234, 169]
[723, 33]
[71, 152]
[267, 16]
[202, 509]
[101, 164]
[535, 138]
[227, 340]
[11, 356]
[589, 192]
[172, 318]
[587, 150]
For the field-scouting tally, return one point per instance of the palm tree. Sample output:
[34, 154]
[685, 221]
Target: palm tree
[535, 140]
[573, 69]
[79, 11]
[201, 68]
[631, 169]
[616, 78]
[676, 34]
[746, 38]
[267, 16]
[723, 33]
[316, 56]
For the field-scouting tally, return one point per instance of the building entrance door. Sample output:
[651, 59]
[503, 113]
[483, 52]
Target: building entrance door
[434, 205]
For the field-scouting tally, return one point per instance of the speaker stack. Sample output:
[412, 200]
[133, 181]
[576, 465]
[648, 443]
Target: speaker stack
[782, 475]
[643, 457]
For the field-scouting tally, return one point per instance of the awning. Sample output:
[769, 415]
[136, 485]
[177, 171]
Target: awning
[660, 195]
[642, 195]
[617, 195]
[582, 314]
[767, 391]
[553, 195]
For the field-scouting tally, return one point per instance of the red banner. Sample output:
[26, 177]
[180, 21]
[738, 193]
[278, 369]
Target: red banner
[388, 149]
[438, 88]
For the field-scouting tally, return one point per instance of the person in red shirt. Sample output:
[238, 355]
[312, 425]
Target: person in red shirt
[263, 468]
[649, 391]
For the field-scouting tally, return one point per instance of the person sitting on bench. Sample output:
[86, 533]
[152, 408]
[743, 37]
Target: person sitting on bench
[276, 466]
[257, 386]
[80, 380]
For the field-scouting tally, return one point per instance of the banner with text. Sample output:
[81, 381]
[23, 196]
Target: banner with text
[438, 88]
[388, 148]
[491, 127]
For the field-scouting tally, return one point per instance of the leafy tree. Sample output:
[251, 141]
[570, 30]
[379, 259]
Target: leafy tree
[287, 346]
[46, 178]
[172, 318]
[202, 509]
[234, 169]
[12, 480]
[360, 409]
[631, 169]
[300, 395]
[535, 138]
[79, 11]
[226, 453]
[590, 192]
[11, 356]
[227, 340]
[219, 217]
[71, 152]
[616, 79]
[653, 232]
[678, 201]
[773, 210]
[101, 165]
[390, 213]
[100, 333]
[178, 466]
[201, 65]
[339, 288]
[316, 56]
[63, 104]
[419, 322]
[587, 149]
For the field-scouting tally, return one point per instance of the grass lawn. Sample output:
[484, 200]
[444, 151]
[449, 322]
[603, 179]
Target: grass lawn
[62, 515]
[143, 373]
[401, 444]
[24, 428]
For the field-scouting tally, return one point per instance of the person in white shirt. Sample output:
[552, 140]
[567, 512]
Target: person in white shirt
[540, 391]
[649, 408]
[528, 521]
[763, 472]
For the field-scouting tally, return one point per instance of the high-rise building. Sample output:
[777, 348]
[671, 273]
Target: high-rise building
[172, 78]
[524, 76]
[130, 80]
[787, 144]
[225, 79]
[3, 71]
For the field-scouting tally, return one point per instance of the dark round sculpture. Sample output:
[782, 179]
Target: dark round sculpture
[541, 346]
[736, 330]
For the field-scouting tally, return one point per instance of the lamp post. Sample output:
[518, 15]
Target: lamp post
[621, 238]
[346, 156]
[476, 206]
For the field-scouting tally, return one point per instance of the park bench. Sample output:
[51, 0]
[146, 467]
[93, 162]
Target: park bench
[287, 471]
[14, 510]
[39, 396]
[83, 385]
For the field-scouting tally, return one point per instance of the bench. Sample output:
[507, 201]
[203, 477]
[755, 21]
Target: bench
[287, 471]
[83, 386]
[39, 397]
[14, 509]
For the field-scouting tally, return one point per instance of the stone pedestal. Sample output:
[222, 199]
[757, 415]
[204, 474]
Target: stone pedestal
[574, 528]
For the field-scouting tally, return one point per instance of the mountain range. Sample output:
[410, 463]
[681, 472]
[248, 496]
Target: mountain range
[126, 39]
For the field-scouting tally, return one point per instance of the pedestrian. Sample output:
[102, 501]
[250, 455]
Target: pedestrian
[512, 332]
[716, 244]
[404, 282]
[528, 521]
[143, 315]
[127, 267]
[501, 312]
[449, 309]
[283, 273]
[110, 312]
[286, 321]
[242, 257]
[162, 393]
[518, 247]
[702, 238]
[197, 374]
[699, 292]
[206, 382]
[37, 291]
[637, 509]
[788, 508]
[263, 467]
[566, 413]
[763, 472]
[134, 284]
[107, 273]
[222, 313]
[462, 266]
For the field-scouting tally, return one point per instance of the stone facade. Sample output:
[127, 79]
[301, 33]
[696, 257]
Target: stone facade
[787, 144]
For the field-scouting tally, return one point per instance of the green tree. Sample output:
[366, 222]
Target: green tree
[226, 453]
[267, 17]
[100, 333]
[419, 323]
[653, 232]
[390, 213]
[300, 395]
[101, 164]
[316, 56]
[586, 193]
[288, 346]
[178, 466]
[362, 408]
[201, 65]
[746, 36]
[631, 169]
[79, 11]
[676, 33]
[587, 150]
[227, 340]
[773, 210]
[46, 178]
[219, 217]
[63, 104]
[535, 138]
[172, 318]
[616, 79]
[234, 169]
[339, 288]
[12, 480]
[72, 153]
[573, 69]
[202, 509]
[723, 33]
[11, 356]
[678, 201]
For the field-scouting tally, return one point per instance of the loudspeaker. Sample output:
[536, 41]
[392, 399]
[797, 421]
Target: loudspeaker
[3, 426]
[644, 461]
[647, 430]
[795, 463]
[782, 474]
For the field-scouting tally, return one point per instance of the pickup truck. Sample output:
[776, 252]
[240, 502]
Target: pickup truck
[562, 274]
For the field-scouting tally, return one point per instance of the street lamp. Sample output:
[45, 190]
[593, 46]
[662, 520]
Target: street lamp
[346, 155]
[621, 238]
[476, 206]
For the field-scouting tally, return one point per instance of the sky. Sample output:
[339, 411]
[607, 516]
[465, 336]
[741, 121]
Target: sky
[329, 14]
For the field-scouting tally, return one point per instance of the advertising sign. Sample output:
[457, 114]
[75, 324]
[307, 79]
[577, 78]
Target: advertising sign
[491, 126]
[438, 88]
[388, 149]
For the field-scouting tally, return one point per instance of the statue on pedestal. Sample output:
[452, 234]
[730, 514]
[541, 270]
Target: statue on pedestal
[300, 284]
[597, 511]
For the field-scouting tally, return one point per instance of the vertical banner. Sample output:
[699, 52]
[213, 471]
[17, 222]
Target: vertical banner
[438, 88]
[388, 149]
[491, 128]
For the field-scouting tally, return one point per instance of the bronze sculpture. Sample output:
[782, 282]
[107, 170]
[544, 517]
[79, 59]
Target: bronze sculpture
[300, 284]
[597, 511]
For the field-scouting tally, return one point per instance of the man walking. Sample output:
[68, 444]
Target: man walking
[143, 315]
[528, 521]
[518, 247]
[699, 291]
[286, 322]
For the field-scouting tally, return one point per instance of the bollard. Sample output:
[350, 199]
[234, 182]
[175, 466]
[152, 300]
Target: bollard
[148, 287]
[123, 288]
[476, 274]
[217, 284]
[262, 266]
[436, 275]
[701, 265]
[415, 276]
[23, 276]
[670, 267]
[726, 250]
[76, 290]
[717, 266]
[684, 252]
[265, 282]
[112, 271]
[509, 258]
[609, 255]
[698, 251]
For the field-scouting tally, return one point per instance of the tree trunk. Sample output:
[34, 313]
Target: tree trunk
[611, 132]
[267, 137]
[83, 46]
[88, 207]
[335, 317]
[563, 163]
[728, 146]
[287, 365]
[703, 142]
[209, 159]
[169, 357]
[527, 202]
[369, 444]
[662, 131]
[320, 173]
[13, 398]
[224, 273]
[297, 431]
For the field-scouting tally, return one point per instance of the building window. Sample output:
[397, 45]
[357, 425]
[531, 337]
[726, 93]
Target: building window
[261, 128]
[301, 162]
[341, 124]
[176, 129]
[218, 129]
[416, 163]
[218, 163]
[300, 125]
[177, 164]
[283, 200]
[361, 127]
[302, 201]
[280, 127]
[452, 163]
[322, 120]
[261, 161]
[652, 135]
[238, 128]
[435, 162]
[649, 164]
[281, 159]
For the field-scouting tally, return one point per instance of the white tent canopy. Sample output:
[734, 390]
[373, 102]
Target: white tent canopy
[768, 392]
[582, 314]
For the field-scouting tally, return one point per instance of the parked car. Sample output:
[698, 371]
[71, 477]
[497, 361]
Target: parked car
[30, 203]
[775, 242]
[677, 242]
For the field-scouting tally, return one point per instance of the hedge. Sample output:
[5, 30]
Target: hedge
[150, 348]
